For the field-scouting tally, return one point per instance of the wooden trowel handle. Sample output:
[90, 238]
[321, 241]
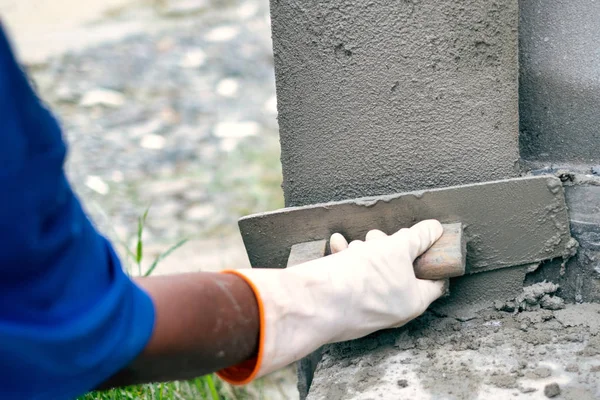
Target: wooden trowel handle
[446, 258]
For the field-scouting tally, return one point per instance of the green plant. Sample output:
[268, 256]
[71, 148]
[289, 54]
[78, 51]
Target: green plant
[138, 256]
[200, 388]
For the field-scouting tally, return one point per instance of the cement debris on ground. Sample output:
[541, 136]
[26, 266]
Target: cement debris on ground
[529, 350]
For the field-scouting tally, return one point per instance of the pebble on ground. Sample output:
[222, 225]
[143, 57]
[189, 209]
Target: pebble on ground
[552, 390]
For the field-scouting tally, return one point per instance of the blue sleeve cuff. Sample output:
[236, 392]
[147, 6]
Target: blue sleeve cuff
[64, 360]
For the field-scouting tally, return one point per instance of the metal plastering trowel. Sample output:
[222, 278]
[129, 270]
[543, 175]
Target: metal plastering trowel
[487, 226]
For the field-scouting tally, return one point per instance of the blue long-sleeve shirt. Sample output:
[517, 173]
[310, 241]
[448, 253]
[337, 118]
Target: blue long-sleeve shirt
[69, 315]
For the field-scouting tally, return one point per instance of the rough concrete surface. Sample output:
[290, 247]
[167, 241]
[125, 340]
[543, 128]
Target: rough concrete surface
[379, 97]
[496, 355]
[473, 293]
[560, 80]
[510, 222]
[580, 277]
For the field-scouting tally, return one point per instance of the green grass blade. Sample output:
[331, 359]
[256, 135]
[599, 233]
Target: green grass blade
[164, 255]
[201, 387]
[146, 214]
[212, 388]
[139, 246]
[141, 223]
[128, 250]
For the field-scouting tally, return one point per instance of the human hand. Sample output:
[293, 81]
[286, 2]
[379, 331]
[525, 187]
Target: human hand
[359, 289]
[382, 268]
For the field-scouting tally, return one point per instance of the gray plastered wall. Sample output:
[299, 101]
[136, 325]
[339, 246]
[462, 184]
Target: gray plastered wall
[560, 81]
[378, 97]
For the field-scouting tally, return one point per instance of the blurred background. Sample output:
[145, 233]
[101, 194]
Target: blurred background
[167, 106]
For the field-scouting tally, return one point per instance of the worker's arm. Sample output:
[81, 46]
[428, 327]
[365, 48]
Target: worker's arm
[248, 323]
[204, 322]
[362, 288]
[70, 318]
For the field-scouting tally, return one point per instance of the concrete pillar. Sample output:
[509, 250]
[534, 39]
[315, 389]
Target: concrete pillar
[560, 81]
[379, 96]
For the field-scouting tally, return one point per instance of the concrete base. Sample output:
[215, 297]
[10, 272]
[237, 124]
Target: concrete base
[306, 371]
[580, 278]
[529, 355]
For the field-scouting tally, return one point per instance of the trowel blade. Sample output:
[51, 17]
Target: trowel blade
[506, 223]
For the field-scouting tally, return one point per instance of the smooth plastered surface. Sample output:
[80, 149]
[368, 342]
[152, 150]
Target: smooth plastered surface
[379, 97]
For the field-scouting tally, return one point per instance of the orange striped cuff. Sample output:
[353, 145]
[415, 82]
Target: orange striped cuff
[246, 371]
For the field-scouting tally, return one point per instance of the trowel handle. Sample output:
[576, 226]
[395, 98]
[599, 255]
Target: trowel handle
[446, 258]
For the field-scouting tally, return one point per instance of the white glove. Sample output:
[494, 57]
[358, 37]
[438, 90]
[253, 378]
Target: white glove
[347, 295]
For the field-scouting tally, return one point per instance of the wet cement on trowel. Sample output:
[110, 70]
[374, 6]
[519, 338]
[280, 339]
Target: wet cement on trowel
[528, 347]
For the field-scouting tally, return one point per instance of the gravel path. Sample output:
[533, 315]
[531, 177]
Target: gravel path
[178, 115]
